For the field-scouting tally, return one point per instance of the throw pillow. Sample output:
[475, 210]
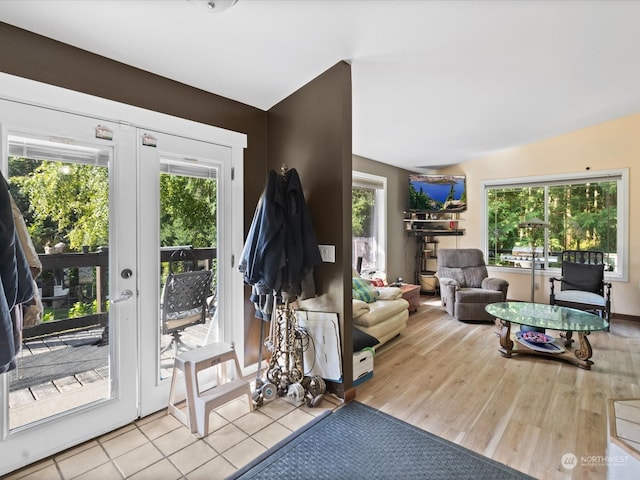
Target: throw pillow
[363, 340]
[362, 291]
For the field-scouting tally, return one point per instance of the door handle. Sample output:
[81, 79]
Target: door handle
[124, 296]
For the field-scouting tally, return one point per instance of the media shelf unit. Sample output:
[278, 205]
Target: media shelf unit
[420, 224]
[426, 227]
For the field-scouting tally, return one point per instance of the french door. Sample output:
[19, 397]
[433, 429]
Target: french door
[107, 204]
[58, 162]
[181, 189]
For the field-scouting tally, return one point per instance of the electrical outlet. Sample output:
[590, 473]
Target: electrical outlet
[328, 253]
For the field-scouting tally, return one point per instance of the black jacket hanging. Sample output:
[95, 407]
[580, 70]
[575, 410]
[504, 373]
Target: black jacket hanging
[281, 248]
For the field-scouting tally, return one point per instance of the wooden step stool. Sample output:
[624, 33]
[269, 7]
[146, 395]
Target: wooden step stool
[200, 404]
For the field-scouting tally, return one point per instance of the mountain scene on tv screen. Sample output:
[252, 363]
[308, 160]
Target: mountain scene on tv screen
[437, 193]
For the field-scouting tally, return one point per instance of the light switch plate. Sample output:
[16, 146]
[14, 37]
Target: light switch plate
[328, 253]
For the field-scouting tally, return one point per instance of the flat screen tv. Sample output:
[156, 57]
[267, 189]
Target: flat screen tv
[437, 193]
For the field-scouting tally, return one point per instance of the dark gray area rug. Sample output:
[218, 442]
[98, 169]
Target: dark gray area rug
[359, 442]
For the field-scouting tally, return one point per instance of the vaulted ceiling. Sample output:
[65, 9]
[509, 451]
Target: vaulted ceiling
[434, 82]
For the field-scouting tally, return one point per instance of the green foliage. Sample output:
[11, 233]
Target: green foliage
[508, 207]
[80, 309]
[451, 196]
[362, 205]
[580, 216]
[69, 202]
[66, 202]
[188, 209]
[20, 167]
[584, 216]
[94, 306]
[419, 200]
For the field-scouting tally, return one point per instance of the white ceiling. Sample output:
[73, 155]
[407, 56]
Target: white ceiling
[434, 83]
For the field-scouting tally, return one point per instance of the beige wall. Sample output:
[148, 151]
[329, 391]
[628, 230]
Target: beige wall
[610, 145]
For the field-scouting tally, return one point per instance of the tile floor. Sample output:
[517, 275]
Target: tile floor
[159, 447]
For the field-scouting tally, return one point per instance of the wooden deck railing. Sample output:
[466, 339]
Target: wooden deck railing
[100, 261]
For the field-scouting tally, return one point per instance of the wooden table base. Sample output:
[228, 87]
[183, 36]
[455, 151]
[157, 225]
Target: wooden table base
[581, 357]
[411, 293]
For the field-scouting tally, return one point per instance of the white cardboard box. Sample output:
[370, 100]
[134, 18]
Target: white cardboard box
[362, 366]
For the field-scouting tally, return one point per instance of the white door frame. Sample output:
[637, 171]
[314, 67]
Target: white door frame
[118, 403]
[154, 391]
[124, 117]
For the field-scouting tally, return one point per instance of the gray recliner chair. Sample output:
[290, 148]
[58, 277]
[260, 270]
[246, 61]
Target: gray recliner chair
[465, 286]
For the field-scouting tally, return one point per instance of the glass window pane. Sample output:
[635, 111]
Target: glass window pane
[62, 192]
[510, 245]
[581, 215]
[364, 228]
[584, 217]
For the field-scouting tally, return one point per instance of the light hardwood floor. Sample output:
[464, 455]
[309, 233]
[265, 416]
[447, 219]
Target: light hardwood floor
[448, 378]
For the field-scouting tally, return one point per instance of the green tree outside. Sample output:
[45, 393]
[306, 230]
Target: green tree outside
[188, 211]
[63, 202]
[580, 217]
[362, 208]
[69, 202]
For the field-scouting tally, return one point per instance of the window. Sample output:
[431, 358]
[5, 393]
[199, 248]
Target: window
[585, 211]
[368, 221]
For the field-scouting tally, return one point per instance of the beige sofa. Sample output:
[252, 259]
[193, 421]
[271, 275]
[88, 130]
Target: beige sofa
[383, 319]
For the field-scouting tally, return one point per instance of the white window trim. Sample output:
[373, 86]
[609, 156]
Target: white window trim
[369, 180]
[622, 274]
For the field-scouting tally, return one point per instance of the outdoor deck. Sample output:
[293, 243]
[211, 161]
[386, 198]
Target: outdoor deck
[68, 370]
[64, 363]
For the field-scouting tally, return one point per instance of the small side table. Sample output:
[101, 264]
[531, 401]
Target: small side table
[411, 293]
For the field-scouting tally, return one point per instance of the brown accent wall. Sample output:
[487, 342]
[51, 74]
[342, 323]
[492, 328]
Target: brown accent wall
[311, 131]
[33, 56]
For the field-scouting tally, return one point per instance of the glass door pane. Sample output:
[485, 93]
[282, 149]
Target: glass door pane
[180, 187]
[188, 244]
[63, 194]
[75, 371]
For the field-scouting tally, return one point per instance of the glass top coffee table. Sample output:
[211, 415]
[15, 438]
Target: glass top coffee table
[549, 317]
